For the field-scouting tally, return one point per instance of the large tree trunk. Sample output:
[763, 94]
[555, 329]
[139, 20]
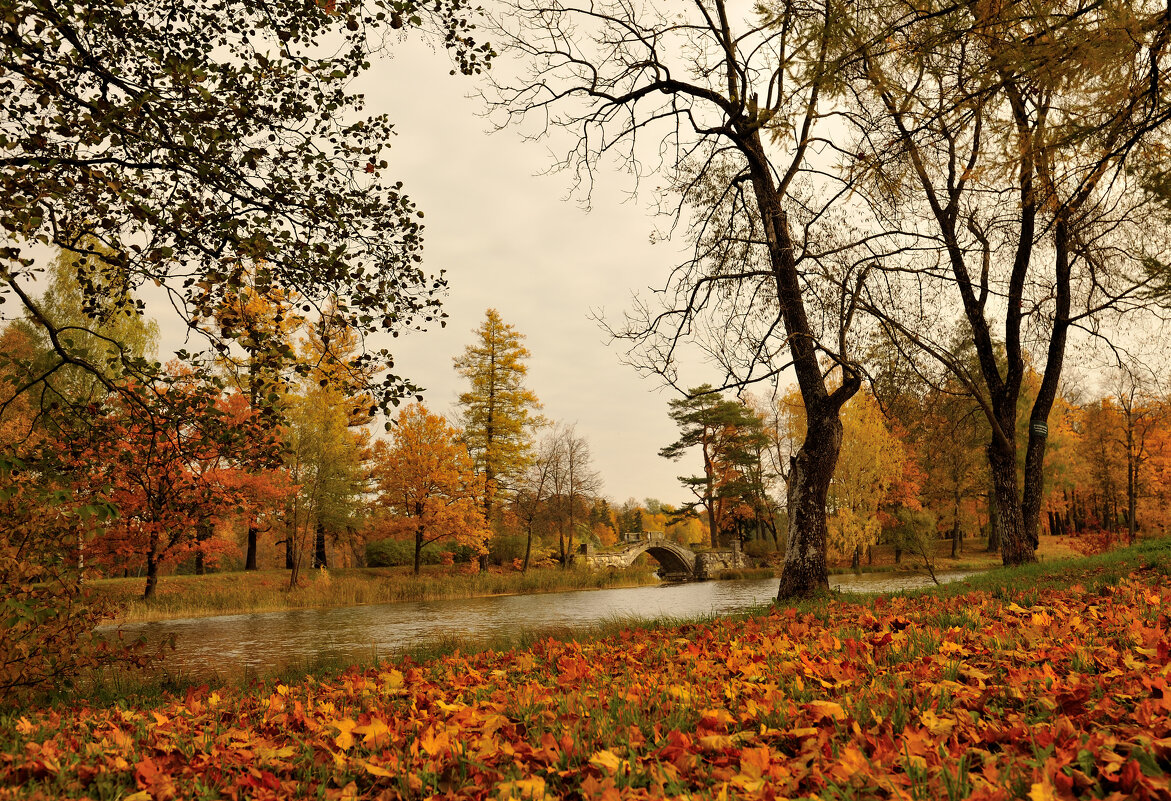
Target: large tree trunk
[1034, 489]
[1015, 546]
[811, 470]
[1034, 479]
[812, 467]
[993, 523]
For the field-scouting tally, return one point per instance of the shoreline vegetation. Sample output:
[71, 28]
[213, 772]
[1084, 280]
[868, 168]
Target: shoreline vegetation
[1041, 681]
[239, 592]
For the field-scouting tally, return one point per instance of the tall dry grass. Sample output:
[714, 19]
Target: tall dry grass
[267, 591]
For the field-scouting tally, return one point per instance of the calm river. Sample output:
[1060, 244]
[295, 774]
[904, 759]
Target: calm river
[230, 645]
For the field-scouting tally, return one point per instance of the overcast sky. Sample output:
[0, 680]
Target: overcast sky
[509, 240]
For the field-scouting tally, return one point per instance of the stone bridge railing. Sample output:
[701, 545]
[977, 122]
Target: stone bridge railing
[678, 562]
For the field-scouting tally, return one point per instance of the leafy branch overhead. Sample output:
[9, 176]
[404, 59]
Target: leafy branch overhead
[184, 144]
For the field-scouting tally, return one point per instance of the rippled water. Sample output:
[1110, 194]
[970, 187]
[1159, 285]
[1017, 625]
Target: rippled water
[263, 643]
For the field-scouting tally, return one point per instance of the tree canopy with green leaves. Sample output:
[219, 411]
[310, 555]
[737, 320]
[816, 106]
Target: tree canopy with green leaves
[182, 144]
[728, 435]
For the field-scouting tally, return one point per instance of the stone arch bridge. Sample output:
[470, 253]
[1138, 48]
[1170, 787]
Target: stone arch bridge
[678, 562]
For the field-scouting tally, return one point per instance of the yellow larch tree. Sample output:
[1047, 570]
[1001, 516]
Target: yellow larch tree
[498, 412]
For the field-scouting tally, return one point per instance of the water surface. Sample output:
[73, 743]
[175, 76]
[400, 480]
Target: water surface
[230, 645]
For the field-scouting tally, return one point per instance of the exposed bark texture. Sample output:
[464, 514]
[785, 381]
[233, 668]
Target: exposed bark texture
[812, 468]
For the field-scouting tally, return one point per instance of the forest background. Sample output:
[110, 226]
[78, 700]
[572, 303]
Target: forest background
[927, 341]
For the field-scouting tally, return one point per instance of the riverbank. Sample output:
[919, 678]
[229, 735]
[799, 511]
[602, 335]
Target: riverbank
[232, 593]
[1047, 681]
[179, 597]
[974, 555]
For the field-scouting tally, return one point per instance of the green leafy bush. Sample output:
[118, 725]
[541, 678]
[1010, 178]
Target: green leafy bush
[759, 549]
[400, 553]
[503, 550]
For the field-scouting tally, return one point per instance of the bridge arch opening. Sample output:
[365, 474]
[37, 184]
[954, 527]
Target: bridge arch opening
[672, 563]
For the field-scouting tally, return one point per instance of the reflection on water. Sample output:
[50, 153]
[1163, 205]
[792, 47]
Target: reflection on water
[264, 643]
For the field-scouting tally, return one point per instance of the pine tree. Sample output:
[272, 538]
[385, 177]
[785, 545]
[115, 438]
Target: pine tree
[498, 412]
[728, 434]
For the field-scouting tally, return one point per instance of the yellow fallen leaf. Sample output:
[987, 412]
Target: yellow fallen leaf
[939, 727]
[716, 742]
[749, 784]
[532, 789]
[967, 671]
[392, 680]
[374, 770]
[854, 761]
[825, 709]
[607, 761]
[345, 737]
[717, 717]
[434, 742]
[1043, 791]
[376, 733]
[950, 647]
[141, 795]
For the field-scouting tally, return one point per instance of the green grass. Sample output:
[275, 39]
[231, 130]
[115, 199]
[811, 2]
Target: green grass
[267, 591]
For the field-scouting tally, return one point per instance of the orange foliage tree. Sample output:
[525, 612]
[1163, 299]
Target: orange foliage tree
[48, 613]
[170, 465]
[427, 481]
